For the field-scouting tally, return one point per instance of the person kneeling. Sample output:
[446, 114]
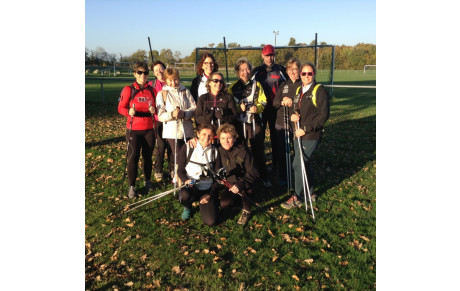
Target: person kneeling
[194, 164]
[240, 172]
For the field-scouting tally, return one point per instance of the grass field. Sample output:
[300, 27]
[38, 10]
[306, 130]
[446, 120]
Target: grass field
[152, 248]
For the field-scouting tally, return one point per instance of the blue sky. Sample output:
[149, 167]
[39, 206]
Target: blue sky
[123, 26]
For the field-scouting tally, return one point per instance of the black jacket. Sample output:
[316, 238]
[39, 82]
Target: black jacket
[210, 108]
[194, 87]
[312, 118]
[286, 89]
[270, 78]
[239, 167]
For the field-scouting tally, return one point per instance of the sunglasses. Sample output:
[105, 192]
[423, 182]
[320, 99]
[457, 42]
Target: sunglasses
[217, 81]
[306, 73]
[142, 72]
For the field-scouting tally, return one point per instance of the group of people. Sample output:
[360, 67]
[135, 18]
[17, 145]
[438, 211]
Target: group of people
[230, 127]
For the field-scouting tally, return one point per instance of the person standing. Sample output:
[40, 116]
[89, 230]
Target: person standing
[176, 107]
[217, 106]
[251, 101]
[206, 65]
[282, 103]
[310, 111]
[270, 75]
[137, 103]
[158, 69]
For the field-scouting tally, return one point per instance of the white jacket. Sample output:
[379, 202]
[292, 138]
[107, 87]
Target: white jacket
[181, 98]
[202, 156]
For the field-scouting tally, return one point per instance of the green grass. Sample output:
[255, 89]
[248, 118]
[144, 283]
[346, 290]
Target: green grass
[151, 247]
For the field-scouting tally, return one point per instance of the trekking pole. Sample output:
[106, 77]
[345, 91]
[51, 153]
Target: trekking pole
[175, 158]
[153, 121]
[288, 149]
[304, 177]
[155, 197]
[127, 149]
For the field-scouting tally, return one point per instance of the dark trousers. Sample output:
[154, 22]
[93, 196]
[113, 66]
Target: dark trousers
[269, 116]
[257, 146]
[162, 147]
[175, 149]
[228, 199]
[208, 210]
[140, 139]
[281, 146]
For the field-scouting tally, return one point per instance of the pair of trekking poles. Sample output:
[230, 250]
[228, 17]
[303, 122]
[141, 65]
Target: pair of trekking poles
[306, 187]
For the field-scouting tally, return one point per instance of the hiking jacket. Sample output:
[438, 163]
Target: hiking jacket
[286, 89]
[198, 87]
[239, 167]
[312, 118]
[241, 94]
[190, 169]
[142, 120]
[176, 97]
[270, 80]
[216, 109]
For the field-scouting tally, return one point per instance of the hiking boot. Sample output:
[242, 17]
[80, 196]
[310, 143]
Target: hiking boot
[267, 184]
[186, 213]
[149, 185]
[292, 202]
[244, 217]
[132, 192]
[158, 177]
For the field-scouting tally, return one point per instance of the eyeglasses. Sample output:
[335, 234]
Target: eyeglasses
[209, 63]
[306, 73]
[142, 72]
[217, 81]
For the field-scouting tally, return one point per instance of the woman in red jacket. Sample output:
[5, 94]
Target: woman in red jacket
[137, 103]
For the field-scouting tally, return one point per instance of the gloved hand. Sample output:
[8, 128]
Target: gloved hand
[152, 109]
[132, 112]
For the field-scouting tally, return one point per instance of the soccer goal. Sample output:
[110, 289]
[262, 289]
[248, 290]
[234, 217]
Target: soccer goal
[371, 68]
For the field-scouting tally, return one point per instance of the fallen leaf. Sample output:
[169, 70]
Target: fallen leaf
[295, 277]
[364, 238]
[156, 283]
[144, 257]
[176, 269]
[129, 284]
[258, 240]
[270, 233]
[308, 261]
[327, 275]
[274, 258]
[344, 263]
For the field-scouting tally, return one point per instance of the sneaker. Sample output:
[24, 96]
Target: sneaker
[149, 185]
[158, 177]
[186, 213]
[267, 184]
[292, 202]
[244, 217]
[132, 192]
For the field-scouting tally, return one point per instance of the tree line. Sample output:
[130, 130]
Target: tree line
[346, 57]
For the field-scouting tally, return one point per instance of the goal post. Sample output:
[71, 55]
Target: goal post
[369, 68]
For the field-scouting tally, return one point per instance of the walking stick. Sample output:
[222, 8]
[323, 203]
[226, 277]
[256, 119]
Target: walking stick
[305, 178]
[288, 149]
[155, 197]
[127, 149]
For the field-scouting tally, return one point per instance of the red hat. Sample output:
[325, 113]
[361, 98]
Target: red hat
[268, 50]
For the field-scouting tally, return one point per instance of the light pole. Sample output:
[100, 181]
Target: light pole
[276, 33]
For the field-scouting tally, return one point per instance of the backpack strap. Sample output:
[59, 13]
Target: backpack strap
[134, 91]
[189, 153]
[313, 99]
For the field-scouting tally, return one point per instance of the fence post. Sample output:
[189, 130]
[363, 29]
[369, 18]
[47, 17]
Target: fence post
[102, 89]
[332, 69]
[225, 53]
